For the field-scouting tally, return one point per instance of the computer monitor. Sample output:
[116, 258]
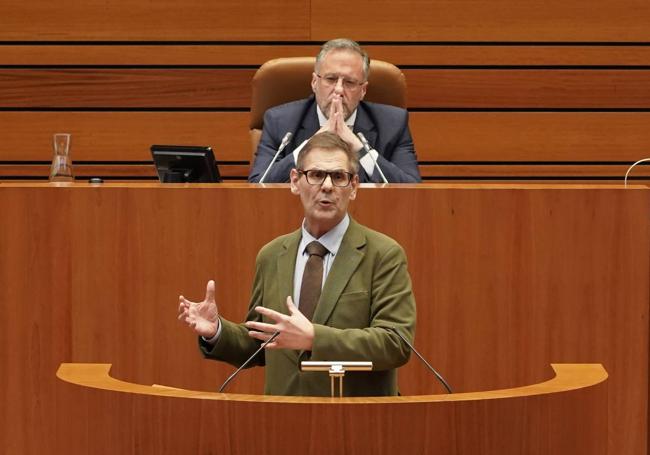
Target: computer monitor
[185, 164]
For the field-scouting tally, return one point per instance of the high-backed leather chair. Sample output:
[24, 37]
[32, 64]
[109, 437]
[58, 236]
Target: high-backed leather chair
[287, 79]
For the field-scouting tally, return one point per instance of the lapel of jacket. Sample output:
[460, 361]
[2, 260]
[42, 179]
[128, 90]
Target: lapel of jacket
[308, 124]
[286, 264]
[364, 124]
[346, 262]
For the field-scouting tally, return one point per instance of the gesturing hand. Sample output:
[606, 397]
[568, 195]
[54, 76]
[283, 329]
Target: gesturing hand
[200, 316]
[296, 331]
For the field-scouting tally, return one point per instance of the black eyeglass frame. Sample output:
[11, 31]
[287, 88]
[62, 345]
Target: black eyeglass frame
[305, 172]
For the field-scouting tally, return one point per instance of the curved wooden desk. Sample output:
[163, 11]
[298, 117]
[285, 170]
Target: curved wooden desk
[564, 415]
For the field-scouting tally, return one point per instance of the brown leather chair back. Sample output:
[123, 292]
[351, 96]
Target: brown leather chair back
[288, 79]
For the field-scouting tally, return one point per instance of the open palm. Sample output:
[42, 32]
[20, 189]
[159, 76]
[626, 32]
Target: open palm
[200, 316]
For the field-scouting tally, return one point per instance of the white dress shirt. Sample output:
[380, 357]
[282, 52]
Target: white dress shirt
[331, 240]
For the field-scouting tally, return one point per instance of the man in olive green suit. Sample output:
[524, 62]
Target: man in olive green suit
[366, 291]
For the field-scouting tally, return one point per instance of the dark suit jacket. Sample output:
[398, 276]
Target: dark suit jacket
[367, 291]
[385, 127]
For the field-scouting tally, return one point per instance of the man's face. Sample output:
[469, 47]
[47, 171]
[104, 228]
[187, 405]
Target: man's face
[325, 205]
[347, 68]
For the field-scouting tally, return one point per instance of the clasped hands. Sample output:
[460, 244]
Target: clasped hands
[336, 124]
[296, 331]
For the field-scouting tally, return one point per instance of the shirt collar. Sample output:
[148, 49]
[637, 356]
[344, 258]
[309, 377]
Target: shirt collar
[322, 119]
[331, 239]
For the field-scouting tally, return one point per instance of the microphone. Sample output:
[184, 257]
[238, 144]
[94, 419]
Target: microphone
[440, 378]
[243, 365]
[632, 167]
[366, 147]
[285, 141]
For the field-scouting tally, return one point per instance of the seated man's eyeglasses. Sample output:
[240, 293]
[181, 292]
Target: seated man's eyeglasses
[317, 177]
[332, 79]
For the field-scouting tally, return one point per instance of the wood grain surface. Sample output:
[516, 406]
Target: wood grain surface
[564, 415]
[567, 377]
[230, 88]
[415, 53]
[521, 275]
[286, 20]
[166, 20]
[508, 20]
[476, 145]
[438, 136]
[568, 422]
[507, 278]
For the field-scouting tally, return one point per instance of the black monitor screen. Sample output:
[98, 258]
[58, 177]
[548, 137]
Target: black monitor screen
[185, 164]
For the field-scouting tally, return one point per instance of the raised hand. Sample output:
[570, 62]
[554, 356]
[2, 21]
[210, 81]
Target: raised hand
[338, 126]
[202, 317]
[329, 125]
[296, 331]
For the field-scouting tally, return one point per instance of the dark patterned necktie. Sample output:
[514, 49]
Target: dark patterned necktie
[312, 279]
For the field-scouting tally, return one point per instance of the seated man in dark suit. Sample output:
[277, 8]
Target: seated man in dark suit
[351, 291]
[339, 83]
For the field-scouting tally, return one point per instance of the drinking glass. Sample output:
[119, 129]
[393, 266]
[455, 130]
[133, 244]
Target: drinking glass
[61, 169]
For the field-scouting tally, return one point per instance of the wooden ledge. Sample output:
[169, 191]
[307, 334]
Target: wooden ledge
[472, 186]
[567, 377]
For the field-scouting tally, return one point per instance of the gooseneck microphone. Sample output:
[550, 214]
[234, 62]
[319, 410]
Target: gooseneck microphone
[285, 141]
[366, 147]
[440, 378]
[632, 167]
[243, 365]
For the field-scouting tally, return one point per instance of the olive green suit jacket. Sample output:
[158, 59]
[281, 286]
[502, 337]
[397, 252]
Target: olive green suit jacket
[366, 296]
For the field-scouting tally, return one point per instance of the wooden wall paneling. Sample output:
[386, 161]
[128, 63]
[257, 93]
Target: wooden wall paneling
[511, 254]
[37, 329]
[489, 54]
[153, 54]
[116, 144]
[480, 145]
[509, 20]
[230, 88]
[418, 54]
[123, 20]
[438, 136]
[505, 136]
[112, 171]
[506, 177]
[528, 88]
[532, 171]
[428, 172]
[123, 136]
[506, 279]
[416, 20]
[126, 88]
[531, 136]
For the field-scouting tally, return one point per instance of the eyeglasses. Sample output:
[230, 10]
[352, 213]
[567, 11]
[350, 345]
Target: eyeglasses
[330, 80]
[317, 177]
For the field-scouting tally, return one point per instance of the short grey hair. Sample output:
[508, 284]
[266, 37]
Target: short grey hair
[340, 44]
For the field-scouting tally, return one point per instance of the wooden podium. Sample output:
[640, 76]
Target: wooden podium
[566, 415]
[508, 279]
